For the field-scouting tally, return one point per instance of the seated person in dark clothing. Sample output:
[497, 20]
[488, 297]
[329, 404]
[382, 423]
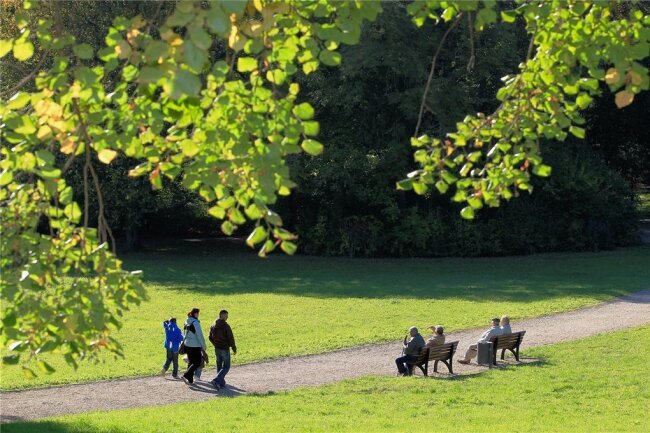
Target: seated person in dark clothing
[411, 351]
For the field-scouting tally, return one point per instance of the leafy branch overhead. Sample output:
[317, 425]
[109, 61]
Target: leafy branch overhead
[210, 97]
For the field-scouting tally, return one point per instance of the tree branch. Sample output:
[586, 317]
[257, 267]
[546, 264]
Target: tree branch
[25, 79]
[431, 72]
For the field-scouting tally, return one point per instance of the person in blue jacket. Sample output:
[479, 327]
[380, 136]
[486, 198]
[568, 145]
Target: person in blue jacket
[173, 339]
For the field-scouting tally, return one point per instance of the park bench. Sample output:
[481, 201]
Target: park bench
[505, 342]
[444, 353]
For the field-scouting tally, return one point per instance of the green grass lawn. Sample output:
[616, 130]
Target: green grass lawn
[600, 384]
[301, 305]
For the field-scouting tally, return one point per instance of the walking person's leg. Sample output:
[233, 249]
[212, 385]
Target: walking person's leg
[194, 357]
[168, 361]
[224, 356]
[175, 364]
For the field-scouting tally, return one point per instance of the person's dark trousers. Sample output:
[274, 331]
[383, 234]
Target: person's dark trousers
[401, 363]
[223, 366]
[195, 360]
[172, 357]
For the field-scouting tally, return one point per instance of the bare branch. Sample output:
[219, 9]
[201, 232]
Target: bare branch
[472, 52]
[26, 78]
[431, 72]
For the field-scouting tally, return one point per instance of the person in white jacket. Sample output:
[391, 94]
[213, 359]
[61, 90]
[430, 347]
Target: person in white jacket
[194, 344]
[494, 331]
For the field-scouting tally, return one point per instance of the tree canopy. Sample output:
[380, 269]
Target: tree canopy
[210, 97]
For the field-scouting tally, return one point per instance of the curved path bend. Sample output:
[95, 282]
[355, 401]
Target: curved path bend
[304, 371]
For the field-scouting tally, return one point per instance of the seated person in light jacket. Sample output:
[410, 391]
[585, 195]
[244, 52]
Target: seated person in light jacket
[411, 350]
[438, 337]
[505, 325]
[494, 331]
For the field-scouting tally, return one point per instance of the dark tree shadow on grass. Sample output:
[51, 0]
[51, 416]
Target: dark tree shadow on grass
[209, 268]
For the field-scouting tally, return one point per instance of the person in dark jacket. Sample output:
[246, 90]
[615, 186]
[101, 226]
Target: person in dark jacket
[410, 351]
[173, 339]
[222, 338]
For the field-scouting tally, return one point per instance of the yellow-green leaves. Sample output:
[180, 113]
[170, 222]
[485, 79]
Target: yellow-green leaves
[6, 45]
[312, 147]
[246, 64]
[304, 111]
[23, 50]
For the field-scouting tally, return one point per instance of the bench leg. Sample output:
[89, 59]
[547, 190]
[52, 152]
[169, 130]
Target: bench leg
[426, 368]
[516, 353]
[435, 367]
[503, 353]
[449, 366]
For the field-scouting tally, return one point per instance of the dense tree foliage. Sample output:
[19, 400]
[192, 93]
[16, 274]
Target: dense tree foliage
[207, 94]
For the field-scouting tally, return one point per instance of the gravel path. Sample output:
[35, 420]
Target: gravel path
[290, 373]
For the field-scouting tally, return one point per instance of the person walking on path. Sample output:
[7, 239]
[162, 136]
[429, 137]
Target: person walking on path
[411, 351]
[222, 338]
[194, 344]
[173, 339]
[487, 336]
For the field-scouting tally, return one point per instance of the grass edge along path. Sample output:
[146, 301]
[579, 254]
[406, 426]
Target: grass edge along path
[294, 306]
[297, 372]
[598, 384]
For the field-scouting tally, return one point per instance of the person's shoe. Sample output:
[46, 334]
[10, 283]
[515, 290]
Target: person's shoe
[215, 384]
[162, 372]
[462, 361]
[186, 380]
[175, 376]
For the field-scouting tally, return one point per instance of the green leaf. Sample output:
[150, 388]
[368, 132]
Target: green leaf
[26, 126]
[83, 51]
[184, 83]
[288, 247]
[542, 170]
[149, 74]
[258, 235]
[195, 57]
[577, 131]
[228, 228]
[330, 58]
[5, 46]
[312, 147]
[72, 211]
[23, 51]
[246, 64]
[420, 188]
[304, 111]
[583, 100]
[467, 213]
[405, 185]
[311, 128]
[18, 101]
[6, 177]
[217, 20]
[217, 212]
[189, 148]
[508, 16]
[236, 216]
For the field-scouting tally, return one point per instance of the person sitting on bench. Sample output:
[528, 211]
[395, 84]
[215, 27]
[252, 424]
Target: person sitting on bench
[411, 351]
[494, 331]
[438, 338]
[505, 325]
